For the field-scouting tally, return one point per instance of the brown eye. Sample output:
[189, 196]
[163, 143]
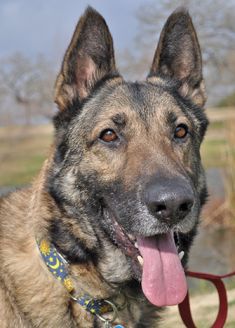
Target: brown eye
[181, 131]
[108, 135]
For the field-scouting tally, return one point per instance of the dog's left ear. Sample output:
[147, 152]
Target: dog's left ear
[88, 60]
[178, 56]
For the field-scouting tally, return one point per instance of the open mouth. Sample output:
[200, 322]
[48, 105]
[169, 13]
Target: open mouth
[156, 261]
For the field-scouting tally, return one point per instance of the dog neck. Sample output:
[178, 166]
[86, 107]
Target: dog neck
[100, 279]
[59, 267]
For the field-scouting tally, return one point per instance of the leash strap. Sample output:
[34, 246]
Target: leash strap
[184, 307]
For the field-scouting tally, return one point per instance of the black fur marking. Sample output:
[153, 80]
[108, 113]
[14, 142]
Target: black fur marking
[119, 119]
[138, 97]
[64, 117]
[204, 196]
[68, 244]
[60, 152]
[96, 325]
[55, 193]
[171, 118]
[186, 241]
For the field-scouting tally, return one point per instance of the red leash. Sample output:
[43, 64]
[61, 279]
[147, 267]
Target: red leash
[184, 307]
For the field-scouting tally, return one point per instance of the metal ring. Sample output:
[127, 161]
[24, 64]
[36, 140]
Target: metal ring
[77, 299]
[73, 298]
[115, 313]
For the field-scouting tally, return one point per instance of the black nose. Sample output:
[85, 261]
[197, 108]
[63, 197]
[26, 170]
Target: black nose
[169, 200]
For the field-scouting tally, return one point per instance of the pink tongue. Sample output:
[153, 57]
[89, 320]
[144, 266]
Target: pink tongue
[163, 279]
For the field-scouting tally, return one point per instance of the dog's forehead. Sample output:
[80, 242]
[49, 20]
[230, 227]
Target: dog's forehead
[144, 98]
[141, 101]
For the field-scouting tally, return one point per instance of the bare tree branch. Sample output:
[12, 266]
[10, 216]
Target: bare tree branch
[28, 86]
[215, 25]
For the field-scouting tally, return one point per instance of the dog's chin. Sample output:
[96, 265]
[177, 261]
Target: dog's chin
[127, 242]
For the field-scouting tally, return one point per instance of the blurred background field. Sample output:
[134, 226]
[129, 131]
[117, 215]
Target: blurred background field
[34, 37]
[23, 150]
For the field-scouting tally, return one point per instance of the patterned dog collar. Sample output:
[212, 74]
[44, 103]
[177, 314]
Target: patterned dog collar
[58, 266]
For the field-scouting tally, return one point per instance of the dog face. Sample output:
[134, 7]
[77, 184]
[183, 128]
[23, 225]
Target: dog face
[127, 154]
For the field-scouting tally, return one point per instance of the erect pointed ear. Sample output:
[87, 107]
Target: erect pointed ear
[178, 56]
[88, 59]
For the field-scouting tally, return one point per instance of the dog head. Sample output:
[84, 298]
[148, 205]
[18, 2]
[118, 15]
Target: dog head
[127, 154]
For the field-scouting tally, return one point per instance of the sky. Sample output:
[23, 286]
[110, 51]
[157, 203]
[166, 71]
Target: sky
[37, 26]
[34, 27]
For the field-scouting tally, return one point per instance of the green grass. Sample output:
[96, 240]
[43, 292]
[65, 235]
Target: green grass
[201, 287]
[213, 152]
[217, 125]
[216, 143]
[202, 323]
[22, 154]
[26, 169]
[228, 101]
[205, 324]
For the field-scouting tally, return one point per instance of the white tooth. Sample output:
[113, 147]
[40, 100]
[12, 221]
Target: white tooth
[140, 259]
[181, 255]
[136, 245]
[131, 237]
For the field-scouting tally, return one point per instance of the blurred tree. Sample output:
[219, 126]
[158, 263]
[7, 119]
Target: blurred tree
[215, 25]
[26, 89]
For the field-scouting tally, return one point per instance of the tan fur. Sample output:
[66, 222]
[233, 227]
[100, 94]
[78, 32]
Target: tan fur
[26, 284]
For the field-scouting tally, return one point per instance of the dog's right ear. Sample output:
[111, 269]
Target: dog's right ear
[88, 60]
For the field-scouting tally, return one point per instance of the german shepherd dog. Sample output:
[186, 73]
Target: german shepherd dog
[120, 195]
